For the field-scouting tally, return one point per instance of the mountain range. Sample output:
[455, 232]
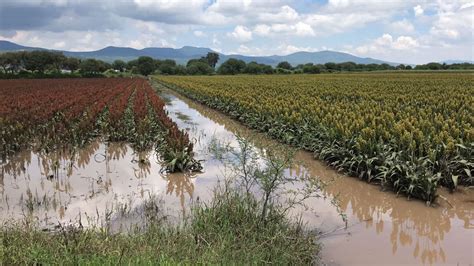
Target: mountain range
[449, 62]
[182, 55]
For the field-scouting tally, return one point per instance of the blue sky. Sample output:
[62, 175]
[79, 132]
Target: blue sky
[407, 31]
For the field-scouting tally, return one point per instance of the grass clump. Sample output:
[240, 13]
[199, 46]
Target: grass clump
[231, 228]
[228, 230]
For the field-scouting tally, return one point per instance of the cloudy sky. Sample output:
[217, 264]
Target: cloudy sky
[409, 31]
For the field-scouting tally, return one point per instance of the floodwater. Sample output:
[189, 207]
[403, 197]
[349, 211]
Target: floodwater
[105, 178]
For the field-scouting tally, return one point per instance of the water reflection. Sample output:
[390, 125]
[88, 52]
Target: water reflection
[64, 184]
[181, 186]
[411, 224]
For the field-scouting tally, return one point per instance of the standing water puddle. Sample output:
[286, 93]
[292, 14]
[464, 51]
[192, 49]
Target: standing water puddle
[101, 178]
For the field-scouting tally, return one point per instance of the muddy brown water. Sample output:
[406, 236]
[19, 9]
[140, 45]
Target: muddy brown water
[102, 178]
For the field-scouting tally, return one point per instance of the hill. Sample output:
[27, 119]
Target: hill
[182, 55]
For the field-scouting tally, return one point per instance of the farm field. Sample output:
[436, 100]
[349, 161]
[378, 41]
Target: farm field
[410, 132]
[48, 115]
[105, 177]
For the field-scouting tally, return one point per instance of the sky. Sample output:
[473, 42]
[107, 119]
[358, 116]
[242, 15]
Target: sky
[405, 31]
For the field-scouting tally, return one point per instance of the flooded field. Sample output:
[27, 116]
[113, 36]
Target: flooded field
[104, 179]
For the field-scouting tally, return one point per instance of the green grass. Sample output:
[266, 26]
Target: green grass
[227, 230]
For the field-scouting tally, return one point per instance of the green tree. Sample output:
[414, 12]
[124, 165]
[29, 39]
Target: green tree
[132, 63]
[192, 61]
[119, 65]
[386, 66]
[253, 68]
[157, 63]
[92, 66]
[146, 65]
[347, 66]
[231, 67]
[330, 66]
[4, 64]
[284, 65]
[168, 67]
[401, 67]
[16, 61]
[180, 70]
[256, 68]
[434, 66]
[267, 69]
[40, 60]
[310, 68]
[71, 63]
[198, 67]
[57, 61]
[212, 59]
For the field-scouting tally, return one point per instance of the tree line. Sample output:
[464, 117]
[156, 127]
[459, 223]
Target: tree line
[45, 63]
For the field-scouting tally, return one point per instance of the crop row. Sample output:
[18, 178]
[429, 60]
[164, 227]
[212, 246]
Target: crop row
[53, 114]
[409, 132]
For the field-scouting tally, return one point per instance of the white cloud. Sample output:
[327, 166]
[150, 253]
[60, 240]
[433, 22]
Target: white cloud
[241, 34]
[453, 22]
[171, 6]
[58, 3]
[385, 40]
[220, 6]
[328, 24]
[262, 30]
[402, 27]
[449, 35]
[215, 40]
[285, 14]
[289, 49]
[405, 42]
[368, 5]
[87, 40]
[418, 10]
[199, 33]
[299, 29]
[303, 29]
[467, 5]
[414, 27]
[281, 49]
[136, 44]
[150, 27]
[248, 12]
[19, 36]
[243, 49]
[386, 43]
[59, 45]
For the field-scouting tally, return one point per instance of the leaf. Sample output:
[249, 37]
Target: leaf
[468, 172]
[455, 180]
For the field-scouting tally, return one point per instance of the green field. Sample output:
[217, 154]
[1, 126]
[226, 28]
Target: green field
[410, 132]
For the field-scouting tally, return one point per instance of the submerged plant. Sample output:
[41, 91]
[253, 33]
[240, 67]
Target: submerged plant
[50, 115]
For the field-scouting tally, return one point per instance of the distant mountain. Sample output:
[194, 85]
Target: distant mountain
[449, 62]
[6, 46]
[324, 57]
[182, 55]
[112, 53]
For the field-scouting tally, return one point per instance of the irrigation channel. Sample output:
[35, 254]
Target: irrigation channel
[102, 179]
